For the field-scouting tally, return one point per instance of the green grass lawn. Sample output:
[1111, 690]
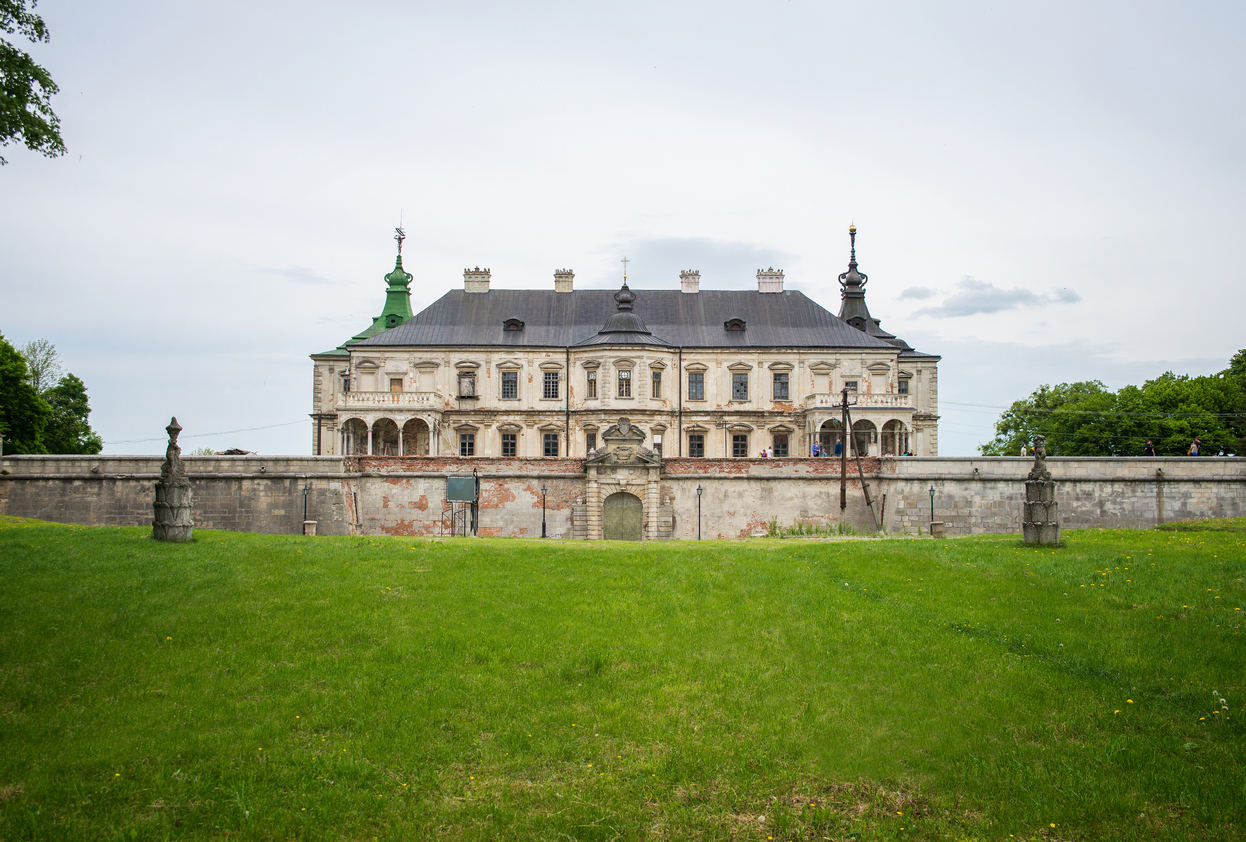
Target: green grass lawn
[274, 687]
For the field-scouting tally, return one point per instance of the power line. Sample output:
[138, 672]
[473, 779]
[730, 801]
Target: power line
[205, 435]
[1124, 413]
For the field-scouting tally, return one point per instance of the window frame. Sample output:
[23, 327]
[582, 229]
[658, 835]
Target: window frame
[739, 385]
[546, 440]
[739, 446]
[696, 445]
[396, 381]
[590, 442]
[467, 444]
[655, 384]
[902, 386]
[624, 379]
[554, 380]
[781, 377]
[468, 378]
[511, 439]
[510, 378]
[592, 384]
[781, 442]
[696, 378]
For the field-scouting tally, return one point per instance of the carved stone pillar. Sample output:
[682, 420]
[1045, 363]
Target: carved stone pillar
[173, 522]
[593, 502]
[653, 504]
[1040, 521]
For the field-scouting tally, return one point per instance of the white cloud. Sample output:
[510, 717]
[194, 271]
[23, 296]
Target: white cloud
[976, 296]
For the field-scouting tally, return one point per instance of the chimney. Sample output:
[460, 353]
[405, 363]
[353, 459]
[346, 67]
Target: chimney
[690, 280]
[563, 279]
[770, 280]
[476, 280]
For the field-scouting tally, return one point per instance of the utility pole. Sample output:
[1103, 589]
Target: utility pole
[843, 457]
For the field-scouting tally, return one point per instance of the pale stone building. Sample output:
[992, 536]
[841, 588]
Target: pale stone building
[543, 373]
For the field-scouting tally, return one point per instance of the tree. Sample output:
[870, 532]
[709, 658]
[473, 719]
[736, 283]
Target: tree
[23, 413]
[1086, 419]
[26, 89]
[68, 431]
[1026, 419]
[43, 362]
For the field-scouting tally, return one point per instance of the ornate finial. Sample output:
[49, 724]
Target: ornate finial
[625, 297]
[400, 235]
[852, 278]
[624, 261]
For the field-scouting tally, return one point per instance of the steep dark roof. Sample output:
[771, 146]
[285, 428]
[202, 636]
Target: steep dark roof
[562, 319]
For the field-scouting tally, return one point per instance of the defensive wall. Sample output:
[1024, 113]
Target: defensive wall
[406, 495]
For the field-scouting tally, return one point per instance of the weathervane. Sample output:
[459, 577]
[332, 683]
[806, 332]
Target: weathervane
[400, 236]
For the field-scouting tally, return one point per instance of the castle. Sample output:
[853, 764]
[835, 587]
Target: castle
[487, 372]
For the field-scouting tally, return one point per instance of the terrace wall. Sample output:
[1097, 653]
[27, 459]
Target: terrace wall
[406, 496]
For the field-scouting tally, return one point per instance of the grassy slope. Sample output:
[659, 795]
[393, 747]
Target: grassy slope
[253, 686]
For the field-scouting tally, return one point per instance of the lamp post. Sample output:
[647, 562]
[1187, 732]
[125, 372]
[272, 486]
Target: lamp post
[543, 490]
[699, 489]
[306, 488]
[932, 510]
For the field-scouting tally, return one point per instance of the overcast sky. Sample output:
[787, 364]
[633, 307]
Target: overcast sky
[1044, 192]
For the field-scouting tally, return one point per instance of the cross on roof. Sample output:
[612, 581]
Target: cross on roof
[624, 261]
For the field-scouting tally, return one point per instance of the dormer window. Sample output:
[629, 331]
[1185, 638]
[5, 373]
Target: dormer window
[734, 324]
[512, 326]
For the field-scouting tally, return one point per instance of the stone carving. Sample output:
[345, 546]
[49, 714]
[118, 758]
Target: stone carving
[173, 520]
[623, 444]
[1040, 521]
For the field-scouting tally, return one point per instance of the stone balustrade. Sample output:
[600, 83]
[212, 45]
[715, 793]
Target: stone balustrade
[369, 400]
[868, 400]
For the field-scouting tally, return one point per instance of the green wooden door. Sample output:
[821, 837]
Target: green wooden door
[621, 517]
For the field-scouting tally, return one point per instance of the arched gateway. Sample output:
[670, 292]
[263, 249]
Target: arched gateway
[622, 515]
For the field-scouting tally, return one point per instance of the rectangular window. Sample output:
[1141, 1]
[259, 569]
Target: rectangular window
[551, 444]
[780, 444]
[467, 385]
[510, 385]
[625, 382]
[739, 446]
[656, 391]
[696, 385]
[590, 442]
[657, 445]
[696, 445]
[780, 387]
[346, 383]
[395, 384]
[592, 384]
[509, 444]
[903, 387]
[551, 386]
[739, 386]
[850, 385]
[467, 444]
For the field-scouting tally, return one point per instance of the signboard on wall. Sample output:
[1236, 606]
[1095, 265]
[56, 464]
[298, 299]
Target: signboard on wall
[461, 489]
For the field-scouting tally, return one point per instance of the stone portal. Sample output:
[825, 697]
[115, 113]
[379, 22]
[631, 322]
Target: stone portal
[173, 521]
[620, 469]
[622, 515]
[1040, 521]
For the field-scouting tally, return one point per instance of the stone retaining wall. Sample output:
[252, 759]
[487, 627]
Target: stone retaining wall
[739, 497]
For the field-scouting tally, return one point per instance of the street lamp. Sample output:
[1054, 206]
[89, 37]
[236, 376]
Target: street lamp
[699, 490]
[543, 490]
[306, 488]
[932, 510]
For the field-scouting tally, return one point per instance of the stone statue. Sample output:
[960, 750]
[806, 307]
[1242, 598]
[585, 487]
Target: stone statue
[1040, 520]
[173, 520]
